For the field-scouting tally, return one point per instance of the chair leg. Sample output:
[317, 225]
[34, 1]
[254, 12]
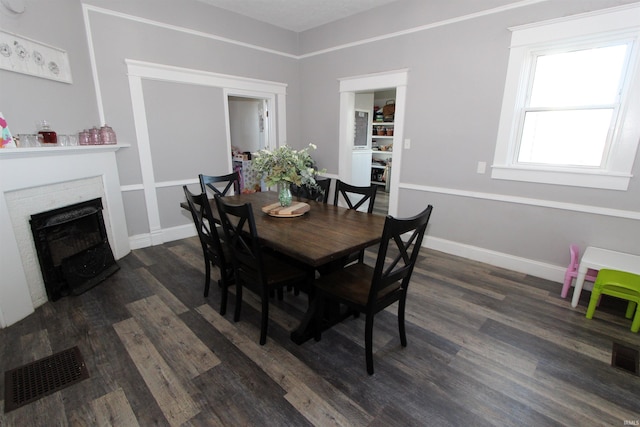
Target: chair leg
[635, 325]
[223, 295]
[593, 302]
[631, 308]
[368, 342]
[401, 328]
[566, 285]
[264, 322]
[207, 277]
[236, 316]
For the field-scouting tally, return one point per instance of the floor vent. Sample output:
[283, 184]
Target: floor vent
[625, 358]
[35, 380]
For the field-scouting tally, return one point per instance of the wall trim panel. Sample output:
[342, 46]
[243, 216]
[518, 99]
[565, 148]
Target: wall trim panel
[574, 207]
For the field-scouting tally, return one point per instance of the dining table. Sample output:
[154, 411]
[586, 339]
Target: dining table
[323, 235]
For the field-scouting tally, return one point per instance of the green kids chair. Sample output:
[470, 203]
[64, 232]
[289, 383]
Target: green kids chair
[619, 284]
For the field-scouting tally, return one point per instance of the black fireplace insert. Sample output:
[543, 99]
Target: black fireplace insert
[73, 249]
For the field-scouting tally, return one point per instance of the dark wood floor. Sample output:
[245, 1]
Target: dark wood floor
[486, 347]
[381, 206]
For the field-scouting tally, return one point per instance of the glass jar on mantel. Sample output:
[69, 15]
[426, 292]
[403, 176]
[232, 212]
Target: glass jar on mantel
[107, 135]
[94, 136]
[47, 135]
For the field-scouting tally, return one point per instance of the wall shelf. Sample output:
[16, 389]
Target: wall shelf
[9, 153]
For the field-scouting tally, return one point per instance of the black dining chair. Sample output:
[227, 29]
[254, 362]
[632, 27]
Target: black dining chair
[369, 290]
[355, 197]
[254, 268]
[325, 187]
[320, 194]
[208, 183]
[214, 250]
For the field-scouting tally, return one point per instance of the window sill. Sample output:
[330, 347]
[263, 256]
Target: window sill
[569, 177]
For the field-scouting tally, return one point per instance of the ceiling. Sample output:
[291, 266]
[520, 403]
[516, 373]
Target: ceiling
[297, 15]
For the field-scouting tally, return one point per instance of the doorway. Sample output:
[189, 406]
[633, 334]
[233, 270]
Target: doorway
[249, 129]
[349, 89]
[373, 164]
[248, 124]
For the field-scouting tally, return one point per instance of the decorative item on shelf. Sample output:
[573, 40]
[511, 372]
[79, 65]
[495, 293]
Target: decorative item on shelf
[107, 135]
[6, 140]
[380, 130]
[285, 166]
[389, 110]
[48, 135]
[377, 112]
[83, 138]
[94, 136]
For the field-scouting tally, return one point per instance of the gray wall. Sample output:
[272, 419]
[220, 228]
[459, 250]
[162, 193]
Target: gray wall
[454, 95]
[26, 99]
[456, 80]
[186, 122]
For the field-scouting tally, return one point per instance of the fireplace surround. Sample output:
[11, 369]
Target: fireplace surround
[34, 180]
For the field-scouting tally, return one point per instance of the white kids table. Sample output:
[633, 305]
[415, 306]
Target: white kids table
[598, 259]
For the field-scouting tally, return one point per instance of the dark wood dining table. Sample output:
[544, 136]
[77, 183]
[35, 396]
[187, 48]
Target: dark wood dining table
[324, 234]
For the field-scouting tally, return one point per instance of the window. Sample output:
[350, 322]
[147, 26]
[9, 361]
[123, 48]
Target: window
[571, 91]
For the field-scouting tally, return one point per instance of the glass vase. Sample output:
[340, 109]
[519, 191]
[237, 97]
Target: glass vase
[284, 194]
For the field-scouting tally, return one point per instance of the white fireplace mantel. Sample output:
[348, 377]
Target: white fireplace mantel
[30, 168]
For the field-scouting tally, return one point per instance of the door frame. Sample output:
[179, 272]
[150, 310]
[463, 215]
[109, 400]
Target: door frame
[137, 72]
[349, 86]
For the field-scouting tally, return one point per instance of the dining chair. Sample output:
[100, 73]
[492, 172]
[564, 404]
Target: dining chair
[207, 183]
[215, 252]
[254, 268]
[369, 290]
[572, 270]
[350, 195]
[320, 196]
[619, 284]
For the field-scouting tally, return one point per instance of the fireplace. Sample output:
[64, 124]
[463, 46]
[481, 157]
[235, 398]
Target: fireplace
[72, 247]
[67, 175]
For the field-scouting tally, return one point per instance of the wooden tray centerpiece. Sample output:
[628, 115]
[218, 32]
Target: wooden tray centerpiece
[294, 210]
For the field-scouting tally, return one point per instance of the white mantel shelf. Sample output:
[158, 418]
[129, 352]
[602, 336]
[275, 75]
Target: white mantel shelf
[13, 153]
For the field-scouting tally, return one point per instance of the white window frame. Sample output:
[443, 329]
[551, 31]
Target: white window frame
[621, 23]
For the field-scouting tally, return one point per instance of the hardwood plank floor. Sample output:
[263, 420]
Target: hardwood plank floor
[487, 347]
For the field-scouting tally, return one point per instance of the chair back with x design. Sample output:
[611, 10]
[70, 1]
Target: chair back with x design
[207, 183]
[212, 247]
[242, 238]
[368, 195]
[260, 272]
[392, 267]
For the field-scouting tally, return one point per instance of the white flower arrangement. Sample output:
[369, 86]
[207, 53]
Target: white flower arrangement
[284, 164]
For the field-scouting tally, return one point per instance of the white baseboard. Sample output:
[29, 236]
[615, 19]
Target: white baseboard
[522, 265]
[166, 235]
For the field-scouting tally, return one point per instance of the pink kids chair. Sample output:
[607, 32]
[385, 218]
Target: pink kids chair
[572, 271]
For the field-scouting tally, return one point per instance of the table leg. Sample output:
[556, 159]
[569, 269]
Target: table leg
[578, 288]
[332, 314]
